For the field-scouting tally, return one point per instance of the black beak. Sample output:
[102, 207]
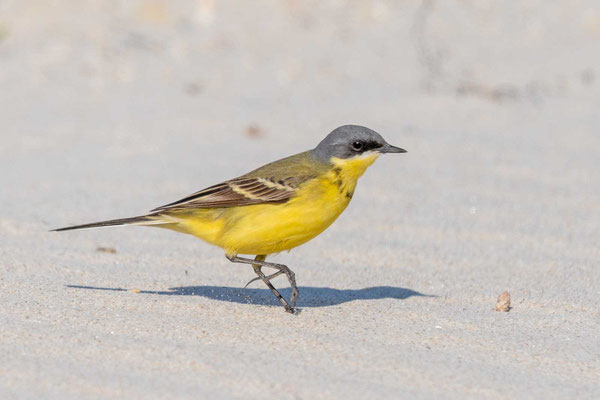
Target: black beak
[388, 148]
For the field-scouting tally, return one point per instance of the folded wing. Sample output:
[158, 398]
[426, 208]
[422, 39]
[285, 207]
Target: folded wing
[241, 191]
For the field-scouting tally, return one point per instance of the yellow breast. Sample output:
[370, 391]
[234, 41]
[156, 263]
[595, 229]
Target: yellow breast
[272, 228]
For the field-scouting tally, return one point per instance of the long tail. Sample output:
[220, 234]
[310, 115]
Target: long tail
[141, 220]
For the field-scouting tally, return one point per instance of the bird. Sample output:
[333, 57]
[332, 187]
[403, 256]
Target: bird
[274, 208]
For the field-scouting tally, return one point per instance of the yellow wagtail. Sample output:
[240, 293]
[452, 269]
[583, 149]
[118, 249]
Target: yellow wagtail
[276, 207]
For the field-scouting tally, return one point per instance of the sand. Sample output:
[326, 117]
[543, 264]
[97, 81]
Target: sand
[109, 109]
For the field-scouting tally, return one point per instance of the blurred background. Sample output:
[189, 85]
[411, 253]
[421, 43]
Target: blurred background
[110, 108]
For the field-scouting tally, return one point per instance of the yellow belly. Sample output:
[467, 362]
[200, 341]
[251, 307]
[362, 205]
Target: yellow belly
[272, 228]
[268, 228]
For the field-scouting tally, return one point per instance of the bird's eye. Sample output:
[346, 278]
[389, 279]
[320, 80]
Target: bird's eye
[357, 145]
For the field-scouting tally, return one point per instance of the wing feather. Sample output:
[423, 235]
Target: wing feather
[236, 192]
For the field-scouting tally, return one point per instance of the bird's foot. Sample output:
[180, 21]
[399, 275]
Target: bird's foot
[267, 278]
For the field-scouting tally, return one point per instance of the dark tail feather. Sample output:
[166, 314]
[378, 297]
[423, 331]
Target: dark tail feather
[142, 220]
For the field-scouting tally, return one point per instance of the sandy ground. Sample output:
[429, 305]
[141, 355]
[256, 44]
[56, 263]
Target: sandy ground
[110, 108]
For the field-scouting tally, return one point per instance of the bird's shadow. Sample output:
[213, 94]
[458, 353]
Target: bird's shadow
[309, 296]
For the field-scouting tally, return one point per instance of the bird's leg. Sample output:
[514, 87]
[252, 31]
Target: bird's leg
[258, 270]
[282, 269]
[260, 262]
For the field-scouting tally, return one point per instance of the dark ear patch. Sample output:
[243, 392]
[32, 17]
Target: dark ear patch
[371, 145]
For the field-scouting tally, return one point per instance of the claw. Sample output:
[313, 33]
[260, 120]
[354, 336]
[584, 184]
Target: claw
[267, 278]
[252, 280]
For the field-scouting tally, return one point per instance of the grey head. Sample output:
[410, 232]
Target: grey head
[352, 140]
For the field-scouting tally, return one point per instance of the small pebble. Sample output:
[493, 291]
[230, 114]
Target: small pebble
[503, 302]
[193, 88]
[254, 131]
[109, 250]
